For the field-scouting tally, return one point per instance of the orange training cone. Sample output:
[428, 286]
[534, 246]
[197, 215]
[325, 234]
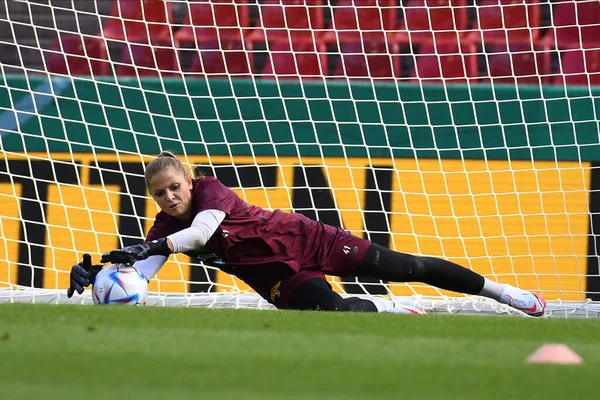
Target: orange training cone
[554, 354]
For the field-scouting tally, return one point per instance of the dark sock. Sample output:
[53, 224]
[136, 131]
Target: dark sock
[385, 264]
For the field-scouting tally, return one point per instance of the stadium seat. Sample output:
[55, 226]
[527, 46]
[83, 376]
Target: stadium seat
[149, 60]
[296, 20]
[360, 29]
[138, 20]
[373, 60]
[579, 67]
[301, 59]
[424, 21]
[506, 21]
[222, 58]
[210, 20]
[356, 21]
[576, 25]
[78, 55]
[445, 62]
[518, 63]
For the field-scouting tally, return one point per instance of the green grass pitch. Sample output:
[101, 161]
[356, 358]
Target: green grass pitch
[91, 352]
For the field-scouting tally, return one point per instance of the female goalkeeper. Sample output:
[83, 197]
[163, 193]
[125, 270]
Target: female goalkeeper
[284, 257]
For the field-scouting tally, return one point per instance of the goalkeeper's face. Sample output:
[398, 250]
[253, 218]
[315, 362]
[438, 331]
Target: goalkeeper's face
[172, 191]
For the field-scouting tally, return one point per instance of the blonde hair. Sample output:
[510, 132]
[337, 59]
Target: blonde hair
[165, 160]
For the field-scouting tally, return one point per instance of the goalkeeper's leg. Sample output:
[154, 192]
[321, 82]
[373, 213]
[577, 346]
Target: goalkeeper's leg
[383, 263]
[316, 294]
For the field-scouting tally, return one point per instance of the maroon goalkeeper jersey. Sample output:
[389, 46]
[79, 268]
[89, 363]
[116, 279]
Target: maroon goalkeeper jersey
[264, 247]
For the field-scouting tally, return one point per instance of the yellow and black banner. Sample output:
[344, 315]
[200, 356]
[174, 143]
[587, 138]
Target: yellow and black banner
[519, 222]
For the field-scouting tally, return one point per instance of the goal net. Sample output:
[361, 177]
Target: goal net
[447, 128]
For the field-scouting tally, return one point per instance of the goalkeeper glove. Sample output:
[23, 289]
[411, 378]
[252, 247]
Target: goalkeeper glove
[82, 275]
[131, 254]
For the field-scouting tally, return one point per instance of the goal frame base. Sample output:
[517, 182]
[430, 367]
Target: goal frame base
[466, 305]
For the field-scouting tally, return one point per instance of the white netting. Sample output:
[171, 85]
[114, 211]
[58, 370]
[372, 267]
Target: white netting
[437, 127]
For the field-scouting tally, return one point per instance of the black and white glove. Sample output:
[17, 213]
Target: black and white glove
[131, 254]
[82, 275]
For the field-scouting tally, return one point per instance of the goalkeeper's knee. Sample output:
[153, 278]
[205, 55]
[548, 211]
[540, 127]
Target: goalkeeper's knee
[353, 304]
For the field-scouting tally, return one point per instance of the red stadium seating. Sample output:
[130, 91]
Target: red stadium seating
[138, 20]
[373, 60]
[579, 67]
[428, 20]
[576, 25]
[506, 21]
[446, 62]
[356, 21]
[361, 28]
[149, 60]
[78, 55]
[209, 20]
[302, 59]
[518, 64]
[222, 58]
[296, 20]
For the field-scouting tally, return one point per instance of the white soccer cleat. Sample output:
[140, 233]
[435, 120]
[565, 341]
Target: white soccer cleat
[530, 303]
[404, 309]
[384, 303]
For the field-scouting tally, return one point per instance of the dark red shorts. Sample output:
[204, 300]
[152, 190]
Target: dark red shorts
[345, 254]
[337, 253]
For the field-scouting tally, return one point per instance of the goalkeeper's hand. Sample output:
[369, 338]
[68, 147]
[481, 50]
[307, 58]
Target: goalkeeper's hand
[82, 275]
[131, 254]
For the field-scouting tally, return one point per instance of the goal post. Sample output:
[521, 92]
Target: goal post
[501, 178]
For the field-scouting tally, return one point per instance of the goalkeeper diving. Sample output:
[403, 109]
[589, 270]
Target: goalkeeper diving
[283, 256]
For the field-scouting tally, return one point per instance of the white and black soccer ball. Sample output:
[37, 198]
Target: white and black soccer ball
[120, 284]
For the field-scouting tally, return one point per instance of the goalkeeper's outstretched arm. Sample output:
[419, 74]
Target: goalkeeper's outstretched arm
[203, 226]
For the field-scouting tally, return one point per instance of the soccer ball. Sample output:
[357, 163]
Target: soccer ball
[120, 284]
